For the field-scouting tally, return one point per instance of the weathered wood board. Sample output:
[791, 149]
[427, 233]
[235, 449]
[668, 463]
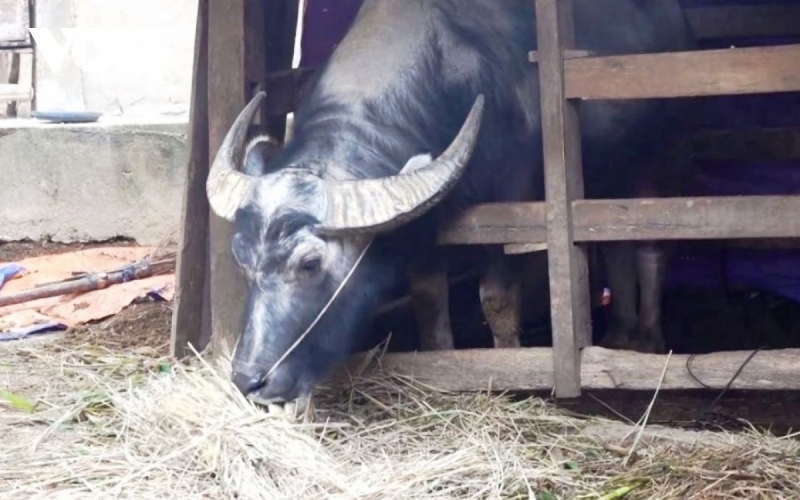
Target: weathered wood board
[700, 218]
[531, 369]
[749, 70]
[191, 318]
[563, 175]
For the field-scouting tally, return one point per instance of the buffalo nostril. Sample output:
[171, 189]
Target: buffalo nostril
[247, 382]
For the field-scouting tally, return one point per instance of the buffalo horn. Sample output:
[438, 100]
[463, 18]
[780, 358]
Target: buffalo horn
[382, 204]
[226, 187]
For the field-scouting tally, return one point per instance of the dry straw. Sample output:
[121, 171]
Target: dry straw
[90, 421]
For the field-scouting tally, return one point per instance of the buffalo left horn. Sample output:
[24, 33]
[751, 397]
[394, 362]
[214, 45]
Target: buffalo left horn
[382, 204]
[226, 187]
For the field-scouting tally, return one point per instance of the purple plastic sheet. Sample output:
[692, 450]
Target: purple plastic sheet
[21, 333]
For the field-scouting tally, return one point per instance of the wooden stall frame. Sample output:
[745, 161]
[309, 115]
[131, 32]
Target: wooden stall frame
[561, 223]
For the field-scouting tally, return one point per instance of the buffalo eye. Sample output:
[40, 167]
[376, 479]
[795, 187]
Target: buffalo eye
[311, 265]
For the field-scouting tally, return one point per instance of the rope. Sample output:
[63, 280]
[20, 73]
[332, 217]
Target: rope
[708, 412]
[319, 316]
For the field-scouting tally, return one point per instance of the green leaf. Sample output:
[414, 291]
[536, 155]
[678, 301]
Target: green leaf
[619, 493]
[17, 401]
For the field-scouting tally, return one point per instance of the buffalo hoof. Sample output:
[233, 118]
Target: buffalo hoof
[650, 342]
[639, 340]
[511, 342]
[617, 338]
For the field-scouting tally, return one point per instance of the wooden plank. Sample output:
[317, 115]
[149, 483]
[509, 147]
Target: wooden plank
[283, 86]
[523, 248]
[227, 95]
[284, 90]
[563, 172]
[14, 23]
[192, 295]
[533, 56]
[531, 369]
[744, 21]
[691, 218]
[685, 74]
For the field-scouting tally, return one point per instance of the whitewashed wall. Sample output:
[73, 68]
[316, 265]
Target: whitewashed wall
[130, 57]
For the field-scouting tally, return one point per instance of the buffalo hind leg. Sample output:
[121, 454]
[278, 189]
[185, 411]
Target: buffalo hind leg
[621, 271]
[430, 300]
[651, 267]
[501, 301]
[636, 277]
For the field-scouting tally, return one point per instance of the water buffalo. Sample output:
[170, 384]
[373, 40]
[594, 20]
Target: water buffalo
[425, 107]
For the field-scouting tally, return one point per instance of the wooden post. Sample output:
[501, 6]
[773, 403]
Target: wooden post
[227, 95]
[190, 317]
[569, 281]
[246, 38]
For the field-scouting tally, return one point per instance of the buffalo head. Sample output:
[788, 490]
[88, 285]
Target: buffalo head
[299, 233]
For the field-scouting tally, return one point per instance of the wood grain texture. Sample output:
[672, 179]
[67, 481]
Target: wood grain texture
[227, 96]
[744, 21]
[698, 218]
[192, 299]
[531, 369]
[563, 173]
[748, 70]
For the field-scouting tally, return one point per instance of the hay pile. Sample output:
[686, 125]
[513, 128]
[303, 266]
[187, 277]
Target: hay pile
[83, 421]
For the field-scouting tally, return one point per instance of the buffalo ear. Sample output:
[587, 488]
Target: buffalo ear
[259, 153]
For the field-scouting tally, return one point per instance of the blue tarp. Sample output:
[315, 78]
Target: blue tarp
[8, 271]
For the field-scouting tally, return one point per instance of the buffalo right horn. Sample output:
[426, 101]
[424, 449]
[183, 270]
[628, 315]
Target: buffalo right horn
[227, 188]
[380, 204]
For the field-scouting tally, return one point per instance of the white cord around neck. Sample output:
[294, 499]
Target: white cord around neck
[321, 313]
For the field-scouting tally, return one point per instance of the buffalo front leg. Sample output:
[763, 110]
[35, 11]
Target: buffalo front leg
[621, 272]
[651, 264]
[430, 299]
[501, 301]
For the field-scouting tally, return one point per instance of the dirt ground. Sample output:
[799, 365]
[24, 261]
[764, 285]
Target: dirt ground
[146, 324]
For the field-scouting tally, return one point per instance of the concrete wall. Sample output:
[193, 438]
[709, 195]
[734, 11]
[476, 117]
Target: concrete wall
[131, 57]
[125, 175]
[92, 181]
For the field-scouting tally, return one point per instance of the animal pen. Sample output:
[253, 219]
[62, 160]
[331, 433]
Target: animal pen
[244, 46]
